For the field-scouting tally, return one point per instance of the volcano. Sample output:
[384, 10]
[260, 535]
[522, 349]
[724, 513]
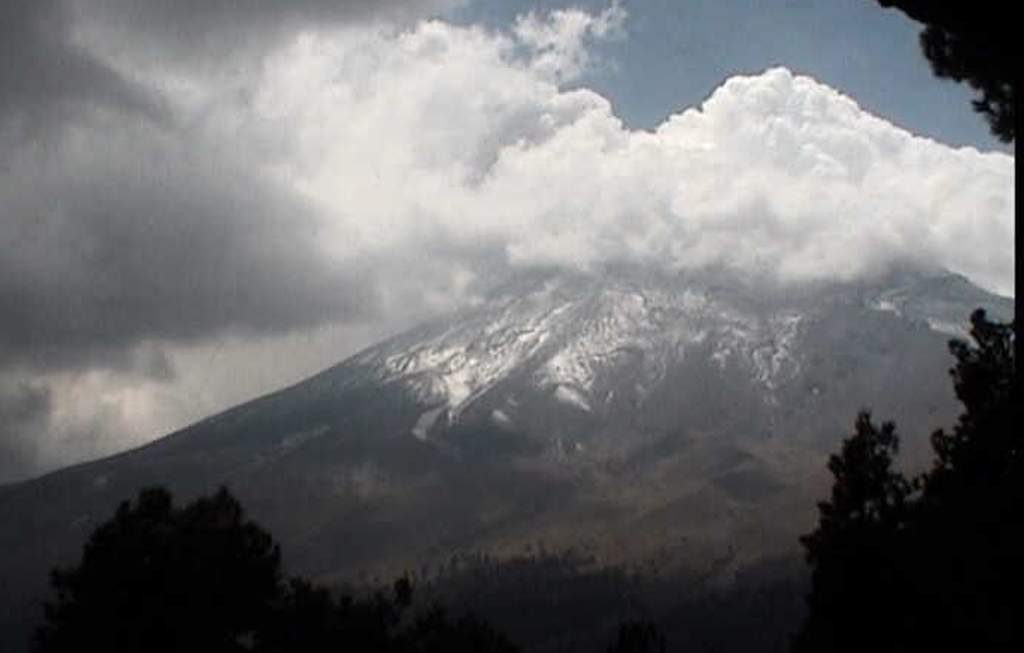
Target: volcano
[633, 414]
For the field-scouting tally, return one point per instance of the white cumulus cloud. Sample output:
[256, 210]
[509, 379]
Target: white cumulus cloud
[444, 134]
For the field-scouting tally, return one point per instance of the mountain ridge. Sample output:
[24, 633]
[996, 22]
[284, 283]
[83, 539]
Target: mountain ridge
[632, 414]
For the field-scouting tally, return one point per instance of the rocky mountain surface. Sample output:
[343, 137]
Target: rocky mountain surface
[678, 419]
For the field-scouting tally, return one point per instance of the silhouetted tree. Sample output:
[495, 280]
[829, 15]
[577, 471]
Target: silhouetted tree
[975, 42]
[309, 618]
[204, 579]
[160, 578]
[936, 563]
[967, 546]
[435, 632]
[983, 450]
[638, 637]
[853, 552]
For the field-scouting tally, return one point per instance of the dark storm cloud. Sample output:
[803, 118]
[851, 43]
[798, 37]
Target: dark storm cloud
[43, 69]
[47, 75]
[44, 77]
[190, 31]
[148, 245]
[185, 19]
[110, 244]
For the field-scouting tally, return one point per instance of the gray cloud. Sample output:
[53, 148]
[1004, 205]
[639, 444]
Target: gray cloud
[196, 32]
[121, 223]
[185, 20]
[45, 77]
[50, 421]
[49, 67]
[25, 410]
[113, 241]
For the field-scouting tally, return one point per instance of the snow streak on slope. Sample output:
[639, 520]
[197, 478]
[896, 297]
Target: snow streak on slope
[584, 339]
[567, 334]
[457, 361]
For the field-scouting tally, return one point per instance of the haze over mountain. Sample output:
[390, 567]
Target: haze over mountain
[629, 413]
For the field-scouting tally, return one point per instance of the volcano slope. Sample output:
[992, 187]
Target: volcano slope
[630, 414]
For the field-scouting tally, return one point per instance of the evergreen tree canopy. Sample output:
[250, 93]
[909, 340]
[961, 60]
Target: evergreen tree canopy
[856, 591]
[160, 578]
[968, 529]
[202, 578]
[983, 448]
[638, 637]
[974, 42]
[934, 562]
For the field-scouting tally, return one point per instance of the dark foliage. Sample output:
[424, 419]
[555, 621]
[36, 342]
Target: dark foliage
[546, 601]
[937, 562]
[203, 579]
[853, 553]
[434, 632]
[968, 530]
[638, 637]
[310, 618]
[974, 42]
[568, 602]
[159, 578]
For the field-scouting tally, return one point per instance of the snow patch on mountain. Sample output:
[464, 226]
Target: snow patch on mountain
[578, 338]
[572, 397]
[570, 336]
[425, 422]
[500, 417]
[955, 329]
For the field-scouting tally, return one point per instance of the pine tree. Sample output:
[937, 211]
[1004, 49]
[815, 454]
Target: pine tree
[969, 520]
[935, 563]
[160, 578]
[853, 552]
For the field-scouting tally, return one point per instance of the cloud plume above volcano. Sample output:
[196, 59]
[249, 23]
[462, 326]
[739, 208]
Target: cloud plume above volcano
[452, 135]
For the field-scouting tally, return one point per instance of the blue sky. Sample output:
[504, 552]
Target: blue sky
[676, 52]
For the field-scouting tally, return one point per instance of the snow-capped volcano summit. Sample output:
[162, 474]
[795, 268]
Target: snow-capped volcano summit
[586, 341]
[612, 349]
